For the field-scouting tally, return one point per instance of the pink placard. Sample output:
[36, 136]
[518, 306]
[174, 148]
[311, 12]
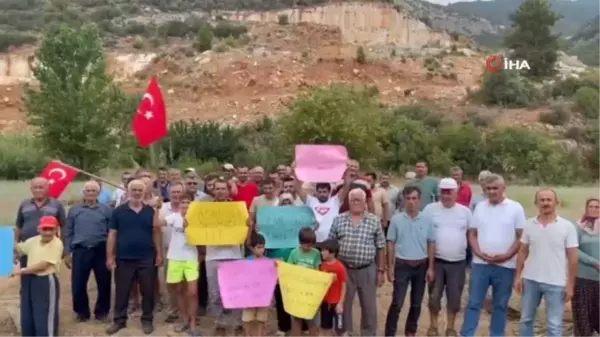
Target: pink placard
[247, 283]
[321, 163]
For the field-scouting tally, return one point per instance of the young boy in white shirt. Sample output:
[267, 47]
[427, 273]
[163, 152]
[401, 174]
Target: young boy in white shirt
[183, 268]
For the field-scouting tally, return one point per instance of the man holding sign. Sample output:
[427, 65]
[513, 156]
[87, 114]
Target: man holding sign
[325, 207]
[216, 255]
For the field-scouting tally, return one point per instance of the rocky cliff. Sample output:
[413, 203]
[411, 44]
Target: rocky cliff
[361, 23]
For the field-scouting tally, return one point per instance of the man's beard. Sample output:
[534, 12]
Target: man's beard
[323, 198]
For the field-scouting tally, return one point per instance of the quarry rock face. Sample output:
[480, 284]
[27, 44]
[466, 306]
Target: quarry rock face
[361, 23]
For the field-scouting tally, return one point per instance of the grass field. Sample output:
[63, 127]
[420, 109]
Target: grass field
[572, 198]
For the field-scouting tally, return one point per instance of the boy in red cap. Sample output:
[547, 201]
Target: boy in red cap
[40, 294]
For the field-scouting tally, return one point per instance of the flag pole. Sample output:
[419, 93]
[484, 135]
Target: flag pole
[153, 159]
[93, 176]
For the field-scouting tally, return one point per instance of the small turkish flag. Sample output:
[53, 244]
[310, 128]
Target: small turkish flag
[59, 177]
[150, 121]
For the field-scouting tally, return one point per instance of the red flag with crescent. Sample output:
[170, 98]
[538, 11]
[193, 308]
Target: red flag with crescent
[150, 121]
[59, 177]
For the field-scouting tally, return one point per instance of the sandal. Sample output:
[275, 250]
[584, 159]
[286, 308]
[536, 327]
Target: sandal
[432, 332]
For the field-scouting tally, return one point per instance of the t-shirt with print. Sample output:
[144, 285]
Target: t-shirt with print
[324, 213]
[310, 259]
[179, 249]
[334, 293]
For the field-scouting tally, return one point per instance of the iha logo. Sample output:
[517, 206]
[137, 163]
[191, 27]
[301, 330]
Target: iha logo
[495, 63]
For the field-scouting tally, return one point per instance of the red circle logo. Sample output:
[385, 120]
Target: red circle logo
[494, 63]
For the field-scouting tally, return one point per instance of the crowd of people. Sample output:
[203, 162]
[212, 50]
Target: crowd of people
[425, 235]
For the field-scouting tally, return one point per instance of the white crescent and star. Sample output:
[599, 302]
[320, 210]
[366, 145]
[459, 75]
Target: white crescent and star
[148, 114]
[62, 172]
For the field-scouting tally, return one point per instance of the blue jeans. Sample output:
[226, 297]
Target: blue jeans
[482, 277]
[553, 299]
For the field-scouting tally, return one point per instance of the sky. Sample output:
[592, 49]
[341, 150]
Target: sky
[445, 2]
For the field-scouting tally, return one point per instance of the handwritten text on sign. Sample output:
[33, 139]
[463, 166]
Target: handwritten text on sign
[302, 289]
[280, 224]
[247, 283]
[216, 223]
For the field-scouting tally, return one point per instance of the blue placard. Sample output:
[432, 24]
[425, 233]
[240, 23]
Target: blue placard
[280, 224]
[7, 246]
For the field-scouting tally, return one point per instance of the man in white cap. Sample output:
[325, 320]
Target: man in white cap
[451, 221]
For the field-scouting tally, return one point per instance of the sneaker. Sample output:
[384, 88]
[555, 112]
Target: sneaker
[194, 332]
[114, 328]
[147, 328]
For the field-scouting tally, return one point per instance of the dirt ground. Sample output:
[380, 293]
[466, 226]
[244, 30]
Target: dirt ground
[9, 315]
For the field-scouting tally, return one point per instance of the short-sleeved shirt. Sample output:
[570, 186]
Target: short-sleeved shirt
[310, 259]
[37, 252]
[464, 194]
[324, 213]
[429, 190]
[134, 232]
[450, 227]
[547, 259]
[358, 243]
[279, 253]
[411, 235]
[246, 193]
[262, 201]
[179, 249]
[337, 268]
[496, 227]
[29, 215]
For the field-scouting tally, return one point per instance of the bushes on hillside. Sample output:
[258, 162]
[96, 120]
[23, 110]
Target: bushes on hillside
[382, 139]
[587, 102]
[509, 89]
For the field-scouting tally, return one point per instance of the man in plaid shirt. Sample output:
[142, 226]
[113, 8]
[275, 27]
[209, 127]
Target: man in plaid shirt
[362, 244]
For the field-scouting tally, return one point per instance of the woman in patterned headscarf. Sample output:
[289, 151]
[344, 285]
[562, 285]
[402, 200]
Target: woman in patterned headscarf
[585, 305]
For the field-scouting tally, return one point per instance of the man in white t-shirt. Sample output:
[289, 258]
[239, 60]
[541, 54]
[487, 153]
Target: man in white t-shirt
[325, 207]
[183, 266]
[214, 256]
[451, 221]
[546, 265]
[494, 238]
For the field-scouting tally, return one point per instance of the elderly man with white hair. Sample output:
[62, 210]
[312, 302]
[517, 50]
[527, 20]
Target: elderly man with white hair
[133, 252]
[85, 249]
[362, 244]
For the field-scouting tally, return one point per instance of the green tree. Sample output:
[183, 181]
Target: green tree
[361, 56]
[336, 114]
[79, 114]
[531, 38]
[204, 40]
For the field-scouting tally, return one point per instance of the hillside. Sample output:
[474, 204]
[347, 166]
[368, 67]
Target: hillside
[585, 42]
[498, 12]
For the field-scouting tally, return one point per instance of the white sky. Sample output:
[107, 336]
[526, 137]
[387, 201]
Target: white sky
[445, 2]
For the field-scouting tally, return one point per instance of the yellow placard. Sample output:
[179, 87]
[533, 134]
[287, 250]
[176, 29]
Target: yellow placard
[302, 289]
[216, 223]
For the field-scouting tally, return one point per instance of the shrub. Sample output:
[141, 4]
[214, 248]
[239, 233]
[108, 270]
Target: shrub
[226, 29]
[361, 57]
[14, 39]
[283, 19]
[508, 89]
[559, 115]
[586, 99]
[337, 114]
[20, 157]
[204, 39]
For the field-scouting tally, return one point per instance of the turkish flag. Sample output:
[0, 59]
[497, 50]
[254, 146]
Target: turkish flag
[150, 121]
[59, 177]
